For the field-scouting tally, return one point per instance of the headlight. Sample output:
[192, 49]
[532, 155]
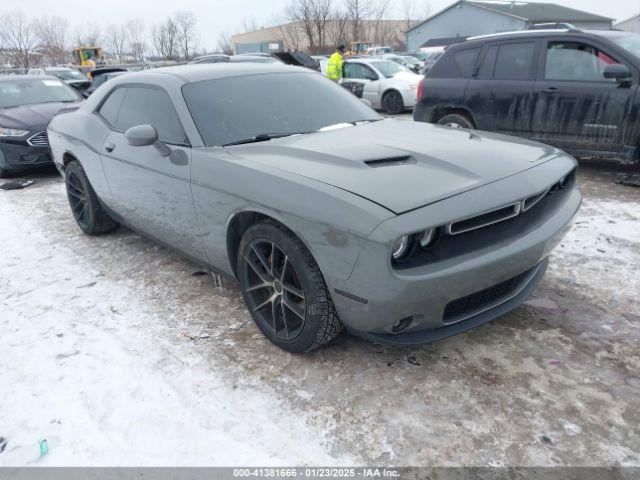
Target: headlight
[426, 238]
[400, 248]
[12, 132]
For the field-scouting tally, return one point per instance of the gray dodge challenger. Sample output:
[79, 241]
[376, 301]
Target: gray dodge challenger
[327, 214]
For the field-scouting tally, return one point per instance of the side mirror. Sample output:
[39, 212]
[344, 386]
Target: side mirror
[145, 135]
[617, 71]
[141, 135]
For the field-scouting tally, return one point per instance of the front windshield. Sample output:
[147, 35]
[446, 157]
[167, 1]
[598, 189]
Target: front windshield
[630, 43]
[411, 60]
[67, 74]
[388, 69]
[228, 110]
[16, 92]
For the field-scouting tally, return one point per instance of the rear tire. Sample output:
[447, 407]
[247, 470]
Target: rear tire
[84, 203]
[392, 102]
[284, 289]
[456, 120]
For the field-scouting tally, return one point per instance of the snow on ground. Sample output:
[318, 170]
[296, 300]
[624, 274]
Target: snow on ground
[84, 364]
[600, 253]
[116, 353]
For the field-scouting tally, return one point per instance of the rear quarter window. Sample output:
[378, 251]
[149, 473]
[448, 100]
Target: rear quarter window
[111, 106]
[465, 61]
[514, 61]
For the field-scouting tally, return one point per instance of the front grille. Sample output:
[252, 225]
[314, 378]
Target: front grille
[38, 140]
[484, 219]
[477, 302]
[501, 214]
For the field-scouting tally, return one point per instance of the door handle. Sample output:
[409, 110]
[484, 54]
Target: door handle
[550, 90]
[109, 147]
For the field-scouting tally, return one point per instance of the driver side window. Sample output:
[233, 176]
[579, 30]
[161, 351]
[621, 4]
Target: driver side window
[359, 71]
[576, 61]
[127, 107]
[147, 105]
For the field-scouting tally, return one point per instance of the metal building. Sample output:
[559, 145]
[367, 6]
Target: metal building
[466, 18]
[630, 25]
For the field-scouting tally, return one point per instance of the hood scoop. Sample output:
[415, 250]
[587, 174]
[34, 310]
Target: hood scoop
[390, 162]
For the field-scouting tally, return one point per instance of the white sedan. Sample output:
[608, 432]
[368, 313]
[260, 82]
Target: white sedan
[387, 85]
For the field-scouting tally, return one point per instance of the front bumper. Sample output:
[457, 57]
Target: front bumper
[19, 155]
[433, 301]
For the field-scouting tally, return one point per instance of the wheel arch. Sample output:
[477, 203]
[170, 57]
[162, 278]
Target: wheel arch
[240, 221]
[389, 90]
[440, 112]
[67, 157]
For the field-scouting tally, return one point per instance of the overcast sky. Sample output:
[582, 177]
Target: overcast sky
[215, 16]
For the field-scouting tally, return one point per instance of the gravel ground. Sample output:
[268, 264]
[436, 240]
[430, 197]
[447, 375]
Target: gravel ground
[120, 353]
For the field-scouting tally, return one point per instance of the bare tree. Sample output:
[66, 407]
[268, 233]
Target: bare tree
[19, 38]
[224, 44]
[185, 23]
[409, 13]
[313, 16]
[358, 11]
[164, 37]
[115, 38]
[137, 38]
[90, 35]
[337, 29]
[52, 32]
[381, 30]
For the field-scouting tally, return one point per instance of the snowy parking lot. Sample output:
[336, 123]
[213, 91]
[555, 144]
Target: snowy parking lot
[119, 352]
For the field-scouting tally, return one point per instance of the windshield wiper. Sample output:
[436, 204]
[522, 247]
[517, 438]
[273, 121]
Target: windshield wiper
[366, 120]
[263, 137]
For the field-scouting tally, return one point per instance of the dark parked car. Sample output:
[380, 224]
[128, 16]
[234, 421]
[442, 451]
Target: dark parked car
[71, 76]
[27, 103]
[577, 90]
[326, 213]
[101, 76]
[299, 59]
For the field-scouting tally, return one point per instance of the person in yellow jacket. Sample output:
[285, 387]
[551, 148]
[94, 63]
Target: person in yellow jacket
[334, 66]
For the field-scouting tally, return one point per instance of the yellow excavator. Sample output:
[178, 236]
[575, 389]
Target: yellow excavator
[91, 57]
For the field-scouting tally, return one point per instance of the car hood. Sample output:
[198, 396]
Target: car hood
[397, 164]
[33, 117]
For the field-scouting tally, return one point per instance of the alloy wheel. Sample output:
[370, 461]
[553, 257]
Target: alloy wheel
[274, 292]
[78, 199]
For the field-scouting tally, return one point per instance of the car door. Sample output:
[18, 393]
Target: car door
[576, 107]
[151, 191]
[362, 81]
[500, 94]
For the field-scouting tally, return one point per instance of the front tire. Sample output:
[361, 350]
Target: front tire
[86, 209]
[284, 289]
[456, 120]
[392, 102]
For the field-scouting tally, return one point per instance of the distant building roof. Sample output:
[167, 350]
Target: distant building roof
[441, 42]
[530, 11]
[630, 24]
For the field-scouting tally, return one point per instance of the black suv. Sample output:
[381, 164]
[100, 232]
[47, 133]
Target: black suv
[577, 90]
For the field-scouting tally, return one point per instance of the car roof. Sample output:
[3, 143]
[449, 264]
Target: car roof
[544, 32]
[211, 71]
